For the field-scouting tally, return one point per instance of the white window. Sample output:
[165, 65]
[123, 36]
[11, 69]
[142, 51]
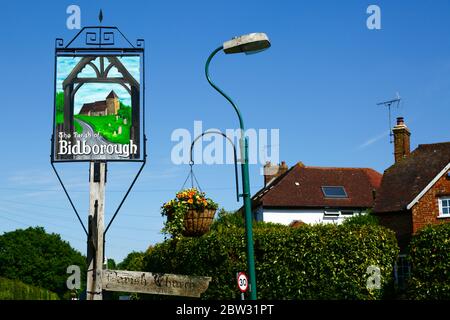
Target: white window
[444, 207]
[331, 213]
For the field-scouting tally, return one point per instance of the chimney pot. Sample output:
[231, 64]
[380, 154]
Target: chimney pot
[273, 171]
[401, 140]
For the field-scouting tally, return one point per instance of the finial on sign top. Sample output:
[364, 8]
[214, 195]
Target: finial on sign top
[100, 16]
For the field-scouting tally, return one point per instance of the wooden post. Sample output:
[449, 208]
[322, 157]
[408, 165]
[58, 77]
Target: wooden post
[97, 181]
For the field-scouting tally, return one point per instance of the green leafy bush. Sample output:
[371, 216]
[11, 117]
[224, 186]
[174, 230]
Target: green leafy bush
[226, 219]
[362, 219]
[311, 262]
[430, 260]
[17, 290]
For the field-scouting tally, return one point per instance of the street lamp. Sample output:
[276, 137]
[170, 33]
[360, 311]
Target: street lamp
[249, 43]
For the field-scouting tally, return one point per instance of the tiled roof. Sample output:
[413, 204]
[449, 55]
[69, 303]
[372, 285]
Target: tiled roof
[112, 94]
[97, 106]
[404, 180]
[302, 186]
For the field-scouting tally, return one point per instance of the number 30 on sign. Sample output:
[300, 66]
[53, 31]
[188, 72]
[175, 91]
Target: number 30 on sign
[242, 281]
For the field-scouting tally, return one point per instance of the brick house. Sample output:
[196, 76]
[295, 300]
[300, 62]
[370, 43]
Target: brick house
[415, 190]
[303, 194]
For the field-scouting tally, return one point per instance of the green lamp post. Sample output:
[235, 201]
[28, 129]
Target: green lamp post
[250, 43]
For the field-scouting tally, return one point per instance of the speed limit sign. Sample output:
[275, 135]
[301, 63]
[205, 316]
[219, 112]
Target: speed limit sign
[242, 282]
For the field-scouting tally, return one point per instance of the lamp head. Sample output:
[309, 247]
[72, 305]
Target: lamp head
[248, 43]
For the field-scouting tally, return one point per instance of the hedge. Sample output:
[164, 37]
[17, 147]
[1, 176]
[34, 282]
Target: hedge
[310, 262]
[17, 290]
[362, 219]
[430, 263]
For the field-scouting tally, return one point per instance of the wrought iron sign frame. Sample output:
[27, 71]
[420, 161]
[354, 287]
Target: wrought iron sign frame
[100, 41]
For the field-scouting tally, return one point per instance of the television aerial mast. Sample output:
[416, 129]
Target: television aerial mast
[389, 103]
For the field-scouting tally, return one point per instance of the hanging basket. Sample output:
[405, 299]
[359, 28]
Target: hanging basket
[189, 214]
[197, 223]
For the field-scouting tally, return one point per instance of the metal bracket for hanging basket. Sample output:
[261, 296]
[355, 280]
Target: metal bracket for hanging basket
[191, 174]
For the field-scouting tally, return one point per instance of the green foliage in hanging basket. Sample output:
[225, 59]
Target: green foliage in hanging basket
[175, 210]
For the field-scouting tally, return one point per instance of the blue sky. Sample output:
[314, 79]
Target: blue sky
[318, 84]
[92, 92]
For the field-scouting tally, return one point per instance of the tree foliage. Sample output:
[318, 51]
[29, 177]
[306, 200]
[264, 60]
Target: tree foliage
[430, 261]
[124, 112]
[111, 264]
[38, 258]
[133, 261]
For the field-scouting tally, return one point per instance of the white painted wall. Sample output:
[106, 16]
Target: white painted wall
[311, 216]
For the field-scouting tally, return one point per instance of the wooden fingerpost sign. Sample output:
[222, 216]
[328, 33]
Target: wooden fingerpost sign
[154, 283]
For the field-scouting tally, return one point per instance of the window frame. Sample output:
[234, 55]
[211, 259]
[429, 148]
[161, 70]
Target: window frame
[334, 197]
[331, 213]
[441, 207]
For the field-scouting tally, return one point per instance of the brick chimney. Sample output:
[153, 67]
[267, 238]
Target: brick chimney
[401, 140]
[273, 171]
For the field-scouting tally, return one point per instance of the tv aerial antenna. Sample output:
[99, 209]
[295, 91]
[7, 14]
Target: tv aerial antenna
[389, 104]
